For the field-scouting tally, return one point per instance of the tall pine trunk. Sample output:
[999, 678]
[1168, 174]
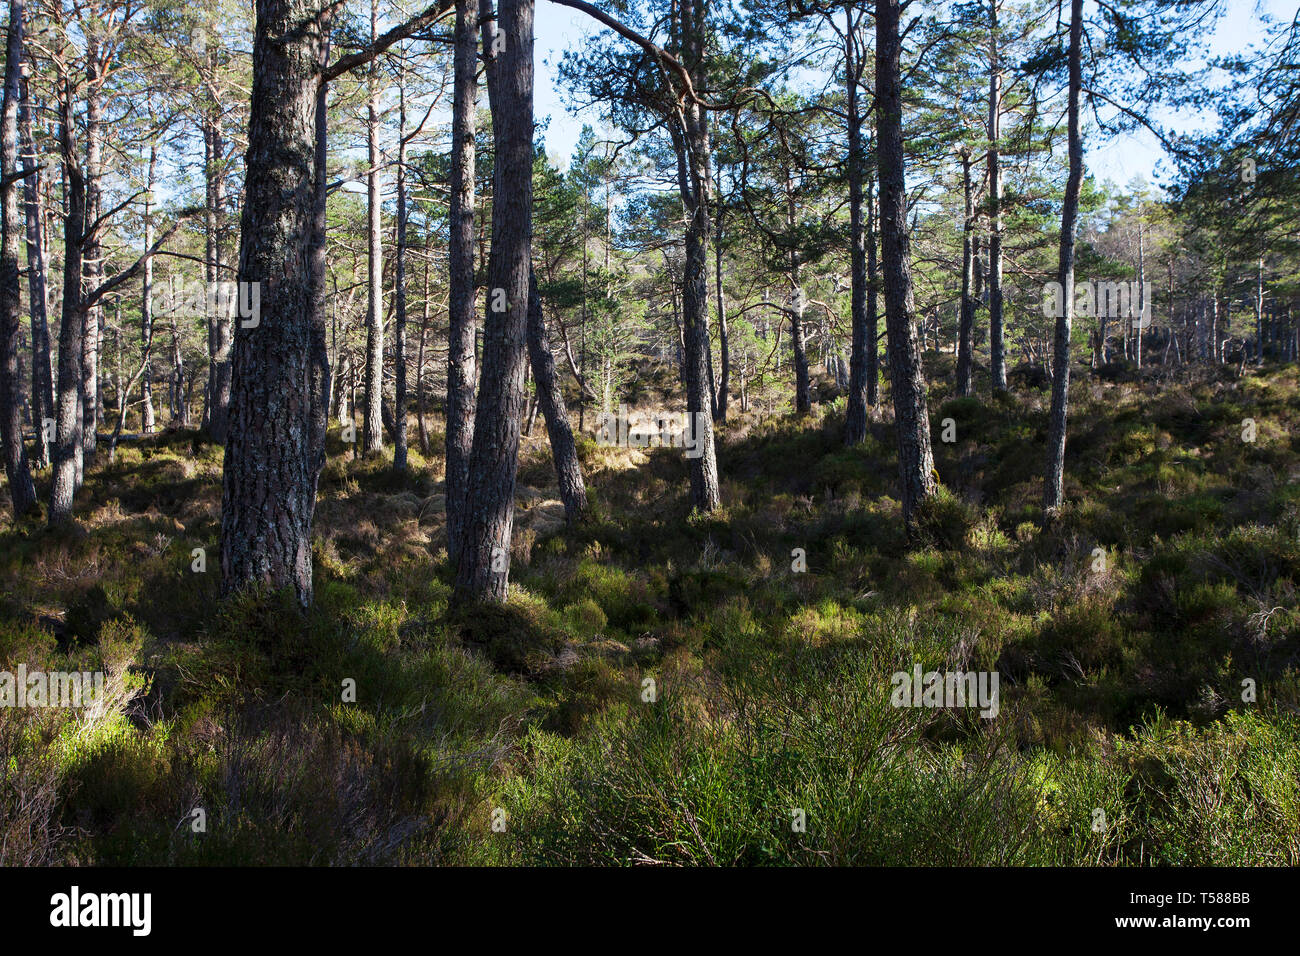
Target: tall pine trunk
[693, 150]
[271, 462]
[799, 304]
[855, 419]
[1141, 304]
[568, 471]
[1259, 312]
[180, 406]
[419, 364]
[147, 422]
[93, 263]
[966, 322]
[38, 298]
[373, 431]
[21, 489]
[69, 418]
[482, 570]
[461, 372]
[907, 378]
[1054, 485]
[997, 350]
[209, 271]
[724, 345]
[320, 376]
[873, 302]
[399, 297]
[222, 321]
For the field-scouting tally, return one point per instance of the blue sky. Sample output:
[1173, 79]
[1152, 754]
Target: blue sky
[1120, 159]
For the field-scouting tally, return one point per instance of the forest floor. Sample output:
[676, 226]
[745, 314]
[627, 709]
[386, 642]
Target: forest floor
[670, 688]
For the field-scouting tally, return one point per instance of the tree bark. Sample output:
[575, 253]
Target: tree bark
[93, 261]
[966, 323]
[147, 422]
[321, 375]
[873, 303]
[1053, 490]
[724, 379]
[209, 272]
[568, 471]
[123, 392]
[373, 438]
[802, 380]
[461, 373]
[269, 481]
[855, 419]
[798, 304]
[21, 490]
[1259, 312]
[222, 321]
[1141, 304]
[907, 378]
[693, 149]
[67, 442]
[482, 570]
[399, 297]
[180, 406]
[997, 350]
[419, 367]
[37, 284]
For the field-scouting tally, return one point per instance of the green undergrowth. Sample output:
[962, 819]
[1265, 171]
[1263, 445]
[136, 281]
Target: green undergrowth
[666, 687]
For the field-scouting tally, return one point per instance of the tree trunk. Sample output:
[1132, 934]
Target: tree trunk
[482, 571]
[573, 491]
[966, 322]
[1054, 485]
[37, 284]
[67, 441]
[873, 303]
[724, 380]
[320, 376]
[21, 489]
[209, 272]
[907, 378]
[802, 380]
[180, 407]
[855, 418]
[419, 368]
[693, 149]
[1214, 350]
[997, 351]
[345, 374]
[147, 422]
[1169, 286]
[269, 481]
[373, 438]
[798, 305]
[1259, 313]
[399, 297]
[123, 391]
[93, 261]
[461, 372]
[222, 321]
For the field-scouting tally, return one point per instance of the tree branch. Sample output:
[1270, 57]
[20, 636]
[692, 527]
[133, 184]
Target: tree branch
[431, 15]
[126, 275]
[656, 51]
